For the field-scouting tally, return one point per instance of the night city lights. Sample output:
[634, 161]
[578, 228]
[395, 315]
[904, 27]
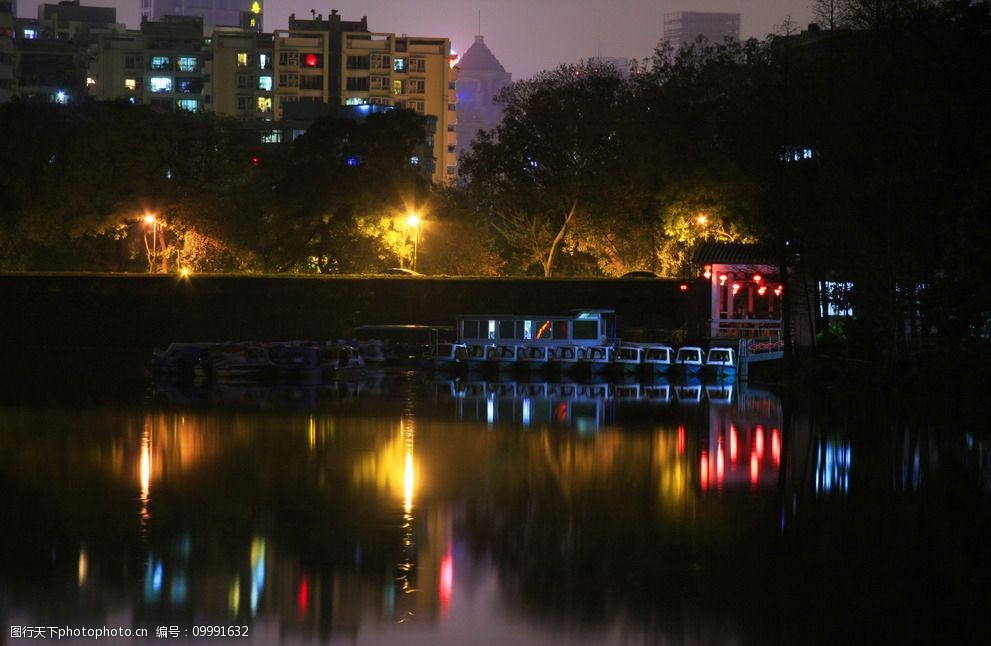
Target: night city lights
[592, 323]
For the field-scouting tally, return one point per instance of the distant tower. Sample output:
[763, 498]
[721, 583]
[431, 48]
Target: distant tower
[684, 27]
[246, 14]
[480, 77]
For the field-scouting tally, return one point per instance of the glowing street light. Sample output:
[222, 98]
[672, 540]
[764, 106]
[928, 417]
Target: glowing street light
[413, 220]
[150, 219]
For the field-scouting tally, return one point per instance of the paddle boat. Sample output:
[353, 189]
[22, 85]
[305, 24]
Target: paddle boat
[689, 360]
[720, 361]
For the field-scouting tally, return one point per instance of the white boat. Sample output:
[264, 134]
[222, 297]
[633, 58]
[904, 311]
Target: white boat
[339, 362]
[657, 359]
[502, 356]
[721, 361]
[595, 359]
[563, 358]
[448, 356]
[476, 354]
[533, 358]
[689, 359]
[627, 358]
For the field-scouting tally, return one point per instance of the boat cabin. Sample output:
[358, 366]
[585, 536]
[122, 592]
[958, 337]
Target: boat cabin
[583, 328]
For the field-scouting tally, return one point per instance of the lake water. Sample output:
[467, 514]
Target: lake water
[407, 510]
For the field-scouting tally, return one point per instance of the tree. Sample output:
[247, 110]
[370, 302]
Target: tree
[547, 164]
[344, 194]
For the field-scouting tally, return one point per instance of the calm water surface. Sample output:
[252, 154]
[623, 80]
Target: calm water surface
[407, 510]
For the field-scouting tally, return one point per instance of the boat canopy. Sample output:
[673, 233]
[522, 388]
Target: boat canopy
[585, 327]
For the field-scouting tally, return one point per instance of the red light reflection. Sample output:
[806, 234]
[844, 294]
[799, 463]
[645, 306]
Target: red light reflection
[754, 468]
[720, 463]
[446, 580]
[759, 442]
[303, 597]
[776, 446]
[704, 471]
[681, 440]
[733, 440]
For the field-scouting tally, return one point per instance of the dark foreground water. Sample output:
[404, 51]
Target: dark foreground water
[405, 510]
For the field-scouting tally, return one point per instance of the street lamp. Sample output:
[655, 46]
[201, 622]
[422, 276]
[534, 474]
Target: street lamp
[150, 219]
[413, 220]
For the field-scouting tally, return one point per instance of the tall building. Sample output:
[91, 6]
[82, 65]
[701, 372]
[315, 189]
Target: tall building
[480, 77]
[246, 14]
[8, 9]
[406, 72]
[684, 27]
[161, 65]
[240, 73]
[50, 53]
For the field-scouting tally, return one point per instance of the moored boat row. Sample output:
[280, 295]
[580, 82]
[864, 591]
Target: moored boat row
[644, 359]
[255, 362]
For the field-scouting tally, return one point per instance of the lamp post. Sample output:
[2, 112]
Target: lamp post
[150, 219]
[413, 220]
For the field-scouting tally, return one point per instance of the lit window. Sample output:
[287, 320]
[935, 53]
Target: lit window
[242, 59]
[30, 34]
[272, 137]
[354, 100]
[90, 81]
[192, 105]
[161, 62]
[256, 8]
[414, 160]
[61, 96]
[187, 63]
[264, 104]
[264, 61]
[160, 84]
[265, 83]
[399, 65]
[398, 87]
[130, 84]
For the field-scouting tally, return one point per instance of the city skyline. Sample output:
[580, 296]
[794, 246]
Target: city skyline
[526, 36]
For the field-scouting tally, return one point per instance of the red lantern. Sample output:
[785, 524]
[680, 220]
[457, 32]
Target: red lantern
[708, 271]
[736, 287]
[683, 287]
[758, 278]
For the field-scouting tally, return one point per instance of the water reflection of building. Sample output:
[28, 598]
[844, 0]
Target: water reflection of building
[743, 449]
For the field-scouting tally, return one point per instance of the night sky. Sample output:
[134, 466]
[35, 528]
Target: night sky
[525, 35]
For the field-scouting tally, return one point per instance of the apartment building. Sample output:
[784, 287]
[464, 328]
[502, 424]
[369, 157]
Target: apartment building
[160, 65]
[240, 74]
[406, 72]
[8, 8]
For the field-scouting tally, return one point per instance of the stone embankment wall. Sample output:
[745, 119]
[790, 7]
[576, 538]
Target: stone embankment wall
[140, 311]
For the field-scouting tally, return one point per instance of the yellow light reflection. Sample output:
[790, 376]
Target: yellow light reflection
[83, 568]
[145, 471]
[312, 428]
[408, 483]
[234, 596]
